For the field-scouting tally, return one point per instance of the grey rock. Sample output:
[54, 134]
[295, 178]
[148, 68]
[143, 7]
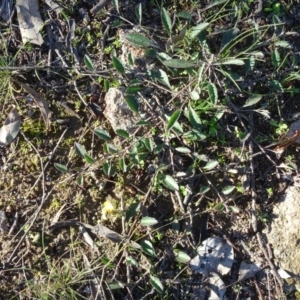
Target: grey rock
[284, 231]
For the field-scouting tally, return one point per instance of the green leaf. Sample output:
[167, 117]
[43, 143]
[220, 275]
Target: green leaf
[219, 206]
[122, 133]
[166, 20]
[116, 4]
[156, 283]
[234, 209]
[132, 261]
[170, 183]
[194, 135]
[215, 2]
[181, 256]
[139, 12]
[198, 29]
[109, 169]
[252, 100]
[116, 285]
[283, 44]
[148, 144]
[233, 61]
[88, 63]
[276, 85]
[275, 58]
[176, 126]
[211, 165]
[79, 180]
[151, 53]
[135, 82]
[185, 15]
[109, 148]
[175, 116]
[194, 95]
[122, 164]
[143, 123]
[194, 118]
[118, 65]
[229, 35]
[176, 226]
[200, 73]
[163, 56]
[107, 262]
[132, 210]
[213, 93]
[106, 85]
[249, 64]
[179, 63]
[147, 247]
[80, 149]
[233, 77]
[138, 40]
[133, 90]
[183, 150]
[89, 159]
[131, 59]
[204, 189]
[148, 221]
[61, 168]
[132, 103]
[228, 189]
[162, 77]
[203, 42]
[102, 134]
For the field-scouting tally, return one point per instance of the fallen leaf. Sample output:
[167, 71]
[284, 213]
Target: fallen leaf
[42, 104]
[291, 137]
[6, 10]
[11, 128]
[283, 274]
[217, 288]
[105, 232]
[54, 6]
[175, 39]
[30, 21]
[248, 270]
[215, 255]
[88, 239]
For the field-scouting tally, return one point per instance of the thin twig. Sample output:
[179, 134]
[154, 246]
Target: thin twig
[272, 266]
[40, 206]
[99, 6]
[81, 98]
[44, 197]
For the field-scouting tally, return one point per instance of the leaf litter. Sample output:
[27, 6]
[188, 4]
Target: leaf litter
[10, 129]
[42, 104]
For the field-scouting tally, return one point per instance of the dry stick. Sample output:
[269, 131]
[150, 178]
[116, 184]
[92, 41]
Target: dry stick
[14, 225]
[253, 189]
[128, 274]
[96, 288]
[210, 183]
[272, 266]
[158, 86]
[260, 295]
[81, 98]
[125, 252]
[44, 197]
[98, 6]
